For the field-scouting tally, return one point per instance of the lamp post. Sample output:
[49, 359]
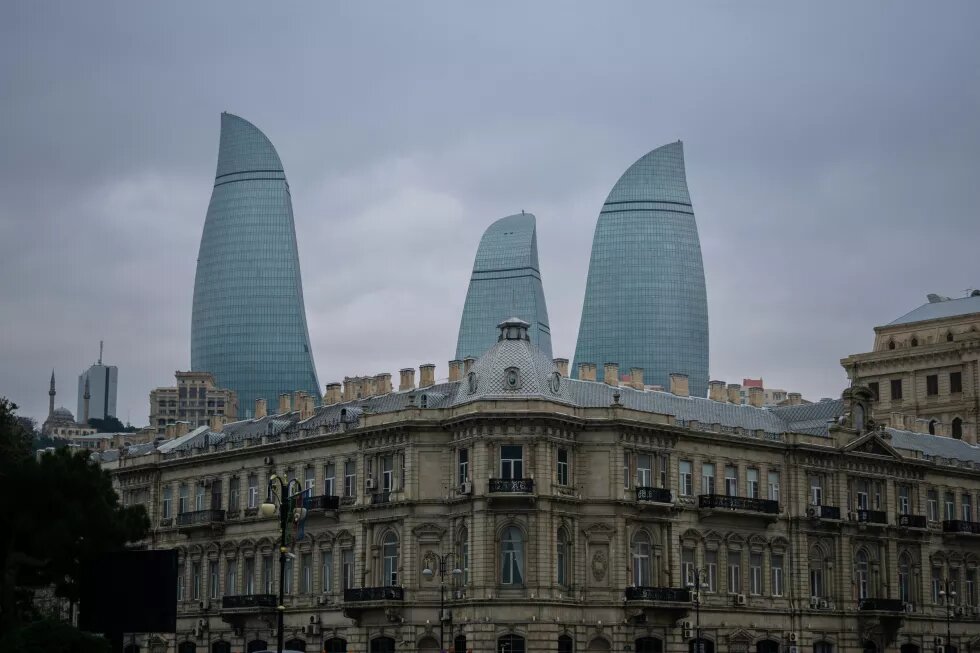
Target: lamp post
[948, 595]
[695, 585]
[279, 491]
[456, 573]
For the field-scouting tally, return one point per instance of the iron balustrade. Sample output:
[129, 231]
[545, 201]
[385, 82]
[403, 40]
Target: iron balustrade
[511, 484]
[961, 526]
[381, 497]
[200, 517]
[912, 521]
[825, 512]
[658, 494]
[882, 605]
[766, 506]
[872, 516]
[322, 502]
[663, 594]
[243, 601]
[360, 594]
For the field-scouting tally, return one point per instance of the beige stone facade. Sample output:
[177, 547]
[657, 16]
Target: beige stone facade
[924, 369]
[196, 399]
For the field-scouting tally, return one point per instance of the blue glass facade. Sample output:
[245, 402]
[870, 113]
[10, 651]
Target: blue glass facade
[248, 326]
[645, 301]
[506, 283]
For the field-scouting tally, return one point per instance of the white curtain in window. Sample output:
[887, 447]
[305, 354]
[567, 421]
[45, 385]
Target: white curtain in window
[512, 556]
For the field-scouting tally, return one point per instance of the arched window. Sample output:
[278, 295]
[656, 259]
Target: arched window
[932, 427]
[909, 648]
[767, 646]
[262, 645]
[460, 643]
[649, 645]
[891, 345]
[707, 646]
[187, 647]
[334, 645]
[869, 647]
[382, 645]
[914, 342]
[641, 559]
[463, 556]
[510, 644]
[817, 563]
[221, 646]
[430, 645]
[295, 644]
[561, 557]
[949, 338]
[905, 577]
[957, 428]
[389, 551]
[861, 571]
[565, 644]
[823, 647]
[131, 648]
[512, 557]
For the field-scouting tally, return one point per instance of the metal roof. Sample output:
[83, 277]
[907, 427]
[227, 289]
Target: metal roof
[940, 309]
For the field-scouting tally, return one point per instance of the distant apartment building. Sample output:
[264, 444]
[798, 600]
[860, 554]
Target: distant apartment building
[196, 399]
[770, 396]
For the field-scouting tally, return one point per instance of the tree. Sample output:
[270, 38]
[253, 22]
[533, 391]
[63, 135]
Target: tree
[110, 425]
[57, 515]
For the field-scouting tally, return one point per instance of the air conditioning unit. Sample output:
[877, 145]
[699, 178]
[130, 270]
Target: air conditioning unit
[369, 483]
[466, 487]
[909, 607]
[813, 511]
[940, 649]
[960, 611]
[791, 637]
[688, 625]
[976, 611]
[824, 604]
[311, 629]
[268, 460]
[205, 605]
[315, 619]
[939, 641]
[740, 599]
[446, 615]
[688, 633]
[198, 632]
[459, 595]
[794, 649]
[322, 600]
[814, 602]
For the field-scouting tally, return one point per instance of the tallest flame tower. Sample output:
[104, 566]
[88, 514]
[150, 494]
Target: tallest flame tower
[248, 326]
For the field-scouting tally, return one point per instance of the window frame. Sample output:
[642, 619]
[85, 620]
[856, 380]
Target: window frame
[511, 468]
[562, 466]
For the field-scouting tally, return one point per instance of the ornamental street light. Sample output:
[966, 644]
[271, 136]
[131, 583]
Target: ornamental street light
[696, 584]
[948, 596]
[277, 490]
[455, 574]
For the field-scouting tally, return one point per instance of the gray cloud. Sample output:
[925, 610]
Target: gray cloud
[832, 159]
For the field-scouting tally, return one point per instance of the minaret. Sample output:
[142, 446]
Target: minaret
[86, 397]
[51, 394]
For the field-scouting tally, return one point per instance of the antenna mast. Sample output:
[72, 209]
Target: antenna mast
[100, 352]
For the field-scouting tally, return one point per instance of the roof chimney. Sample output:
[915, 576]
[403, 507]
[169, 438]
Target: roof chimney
[383, 383]
[586, 371]
[756, 396]
[406, 379]
[636, 378]
[468, 363]
[182, 429]
[716, 390]
[562, 365]
[283, 403]
[733, 393]
[455, 370]
[610, 374]
[679, 384]
[260, 408]
[795, 398]
[170, 430]
[369, 386]
[333, 394]
[427, 375]
[216, 423]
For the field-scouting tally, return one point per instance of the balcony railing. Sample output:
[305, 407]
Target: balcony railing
[657, 494]
[961, 526]
[871, 516]
[766, 506]
[883, 605]
[245, 601]
[360, 594]
[824, 512]
[322, 502]
[912, 521]
[381, 497]
[525, 485]
[665, 594]
[201, 518]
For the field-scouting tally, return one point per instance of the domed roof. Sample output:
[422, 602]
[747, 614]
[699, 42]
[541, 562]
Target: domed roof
[512, 369]
[63, 413]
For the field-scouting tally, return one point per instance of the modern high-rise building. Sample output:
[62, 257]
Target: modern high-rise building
[506, 283]
[645, 301]
[248, 326]
[102, 382]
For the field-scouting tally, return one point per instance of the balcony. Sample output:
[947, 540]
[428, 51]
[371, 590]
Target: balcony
[380, 497]
[201, 519]
[882, 605]
[878, 517]
[360, 600]
[659, 594]
[512, 485]
[823, 512]
[912, 521]
[711, 502]
[322, 503]
[654, 494]
[363, 594]
[961, 527]
[249, 602]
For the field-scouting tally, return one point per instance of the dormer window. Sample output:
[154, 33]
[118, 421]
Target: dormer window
[512, 378]
[891, 344]
[914, 342]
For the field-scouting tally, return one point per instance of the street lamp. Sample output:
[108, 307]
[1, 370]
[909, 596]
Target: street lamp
[948, 595]
[456, 573]
[696, 585]
[276, 491]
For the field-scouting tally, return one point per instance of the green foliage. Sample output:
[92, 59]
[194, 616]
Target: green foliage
[15, 440]
[51, 637]
[110, 425]
[44, 441]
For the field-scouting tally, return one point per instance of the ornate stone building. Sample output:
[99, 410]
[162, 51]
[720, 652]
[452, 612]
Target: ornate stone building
[577, 513]
[196, 400]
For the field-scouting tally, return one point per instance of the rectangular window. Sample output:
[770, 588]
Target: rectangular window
[249, 578]
[231, 577]
[955, 382]
[950, 502]
[932, 504]
[707, 478]
[862, 489]
[213, 579]
[777, 574]
[387, 473]
[196, 581]
[971, 587]
[182, 499]
[350, 479]
[168, 496]
[347, 568]
[644, 470]
[267, 574]
[873, 387]
[734, 571]
[326, 572]
[306, 573]
[752, 479]
[664, 461]
[463, 466]
[562, 467]
[896, 388]
[966, 507]
[253, 491]
[329, 480]
[199, 497]
[932, 385]
[180, 582]
[511, 462]
[816, 490]
[464, 554]
[937, 583]
[816, 581]
[755, 573]
[711, 569]
[904, 499]
[233, 493]
[686, 480]
[687, 566]
[774, 486]
[731, 480]
[626, 469]
[309, 480]
[287, 579]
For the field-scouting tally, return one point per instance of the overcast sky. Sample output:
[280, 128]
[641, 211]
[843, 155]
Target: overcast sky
[832, 158]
